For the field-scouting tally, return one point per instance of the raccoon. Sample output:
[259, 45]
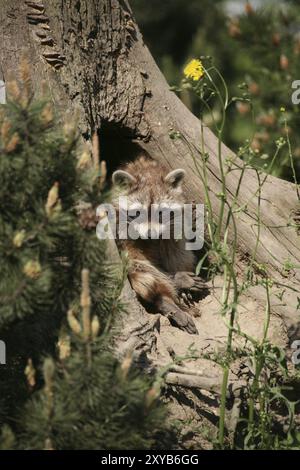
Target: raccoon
[161, 270]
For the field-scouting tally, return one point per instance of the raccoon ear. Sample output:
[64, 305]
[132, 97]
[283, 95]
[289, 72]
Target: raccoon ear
[122, 177]
[175, 177]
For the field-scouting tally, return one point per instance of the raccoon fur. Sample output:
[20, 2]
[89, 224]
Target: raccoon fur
[161, 271]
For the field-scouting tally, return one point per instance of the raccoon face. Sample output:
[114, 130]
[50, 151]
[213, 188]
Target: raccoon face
[152, 204]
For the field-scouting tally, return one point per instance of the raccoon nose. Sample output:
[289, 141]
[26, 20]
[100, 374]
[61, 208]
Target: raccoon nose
[149, 233]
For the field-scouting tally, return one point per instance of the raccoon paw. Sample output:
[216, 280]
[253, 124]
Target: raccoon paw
[183, 321]
[178, 317]
[186, 299]
[189, 286]
[186, 302]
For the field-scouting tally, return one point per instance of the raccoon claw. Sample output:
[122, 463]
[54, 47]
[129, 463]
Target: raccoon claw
[184, 322]
[189, 284]
[188, 281]
[178, 318]
[187, 299]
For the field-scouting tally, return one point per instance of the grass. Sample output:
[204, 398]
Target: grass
[267, 416]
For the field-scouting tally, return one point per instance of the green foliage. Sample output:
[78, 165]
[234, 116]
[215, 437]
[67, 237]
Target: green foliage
[107, 405]
[258, 47]
[268, 399]
[80, 396]
[177, 23]
[267, 57]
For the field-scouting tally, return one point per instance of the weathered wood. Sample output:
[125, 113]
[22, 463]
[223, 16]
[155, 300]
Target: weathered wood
[92, 56]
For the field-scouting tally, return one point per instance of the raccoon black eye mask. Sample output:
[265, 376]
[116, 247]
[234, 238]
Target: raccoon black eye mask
[160, 270]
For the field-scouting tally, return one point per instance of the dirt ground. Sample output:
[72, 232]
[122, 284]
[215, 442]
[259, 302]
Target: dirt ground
[194, 407]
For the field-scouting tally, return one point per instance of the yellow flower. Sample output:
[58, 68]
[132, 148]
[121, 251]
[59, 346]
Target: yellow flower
[194, 70]
[282, 109]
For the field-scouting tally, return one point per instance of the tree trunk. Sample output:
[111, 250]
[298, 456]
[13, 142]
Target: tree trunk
[93, 58]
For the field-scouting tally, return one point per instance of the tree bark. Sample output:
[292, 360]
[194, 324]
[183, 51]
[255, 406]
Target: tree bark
[93, 58]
